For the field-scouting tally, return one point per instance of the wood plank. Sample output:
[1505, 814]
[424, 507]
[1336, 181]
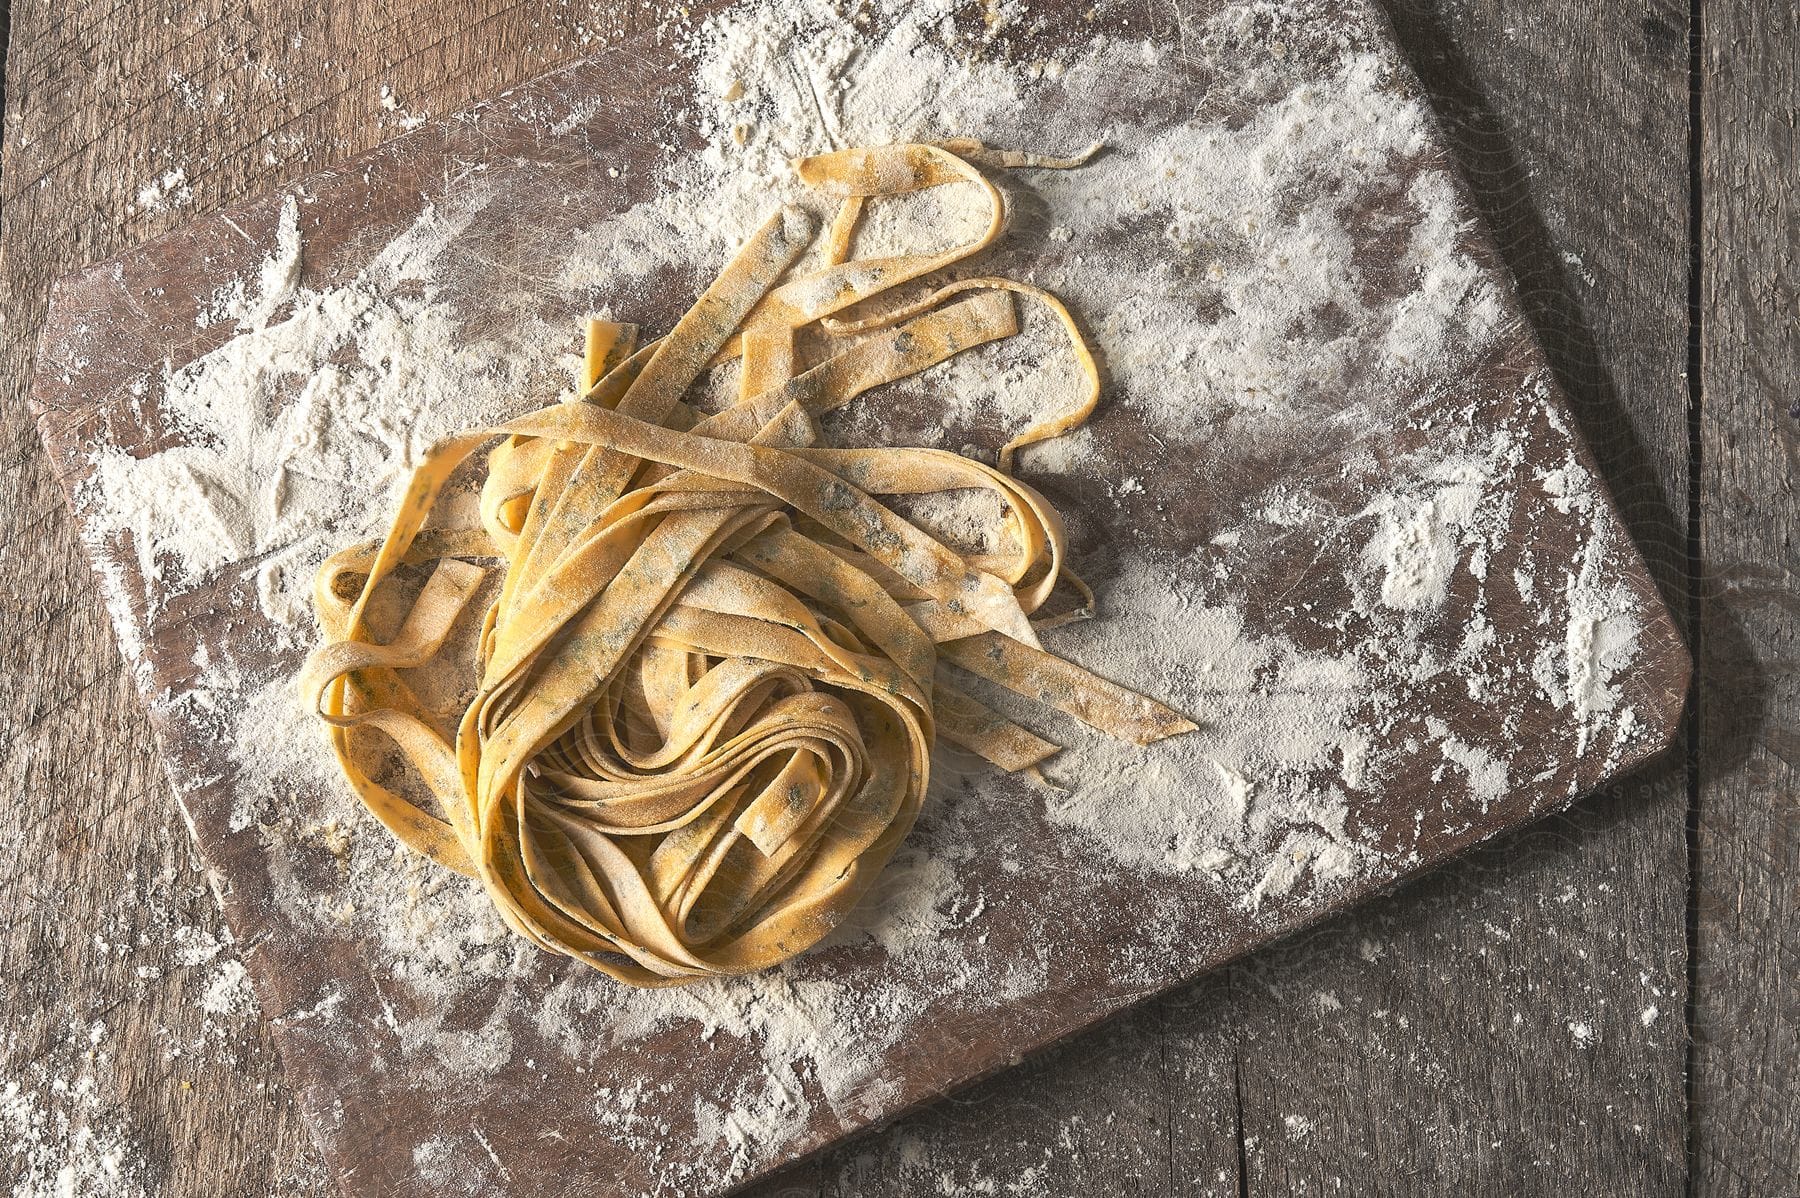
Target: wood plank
[1484, 1032]
[159, 272]
[1093, 1118]
[117, 930]
[472, 53]
[303, 89]
[1579, 921]
[1747, 1008]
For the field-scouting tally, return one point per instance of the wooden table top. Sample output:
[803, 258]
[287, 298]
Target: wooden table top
[1523, 1021]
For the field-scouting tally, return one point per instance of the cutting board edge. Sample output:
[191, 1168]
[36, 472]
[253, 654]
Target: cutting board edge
[1355, 894]
[56, 413]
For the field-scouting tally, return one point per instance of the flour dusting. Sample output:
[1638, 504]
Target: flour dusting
[1363, 557]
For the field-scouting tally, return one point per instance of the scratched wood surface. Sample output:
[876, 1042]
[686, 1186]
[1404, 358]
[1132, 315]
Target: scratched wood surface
[1746, 1136]
[98, 98]
[377, 1103]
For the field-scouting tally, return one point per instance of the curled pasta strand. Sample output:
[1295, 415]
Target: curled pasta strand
[707, 681]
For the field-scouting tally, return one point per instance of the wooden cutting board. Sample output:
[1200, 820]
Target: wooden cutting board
[1014, 917]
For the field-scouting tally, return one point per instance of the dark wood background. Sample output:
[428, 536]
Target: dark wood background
[1486, 1031]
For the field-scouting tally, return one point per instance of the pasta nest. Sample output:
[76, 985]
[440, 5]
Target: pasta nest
[707, 684]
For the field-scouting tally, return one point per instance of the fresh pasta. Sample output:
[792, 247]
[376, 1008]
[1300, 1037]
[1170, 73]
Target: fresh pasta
[708, 681]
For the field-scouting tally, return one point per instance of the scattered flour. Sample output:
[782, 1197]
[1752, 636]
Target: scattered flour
[435, 1159]
[1488, 776]
[59, 1143]
[284, 428]
[1418, 543]
[168, 190]
[67, 1126]
[1250, 307]
[1601, 629]
[404, 119]
[1242, 797]
[228, 992]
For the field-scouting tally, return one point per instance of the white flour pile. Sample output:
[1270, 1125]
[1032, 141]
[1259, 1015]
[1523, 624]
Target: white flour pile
[319, 398]
[1251, 313]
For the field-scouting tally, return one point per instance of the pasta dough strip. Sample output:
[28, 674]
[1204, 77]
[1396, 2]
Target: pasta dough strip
[710, 676]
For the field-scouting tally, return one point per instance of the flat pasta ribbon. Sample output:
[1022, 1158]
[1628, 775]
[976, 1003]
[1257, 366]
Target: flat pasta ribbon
[708, 681]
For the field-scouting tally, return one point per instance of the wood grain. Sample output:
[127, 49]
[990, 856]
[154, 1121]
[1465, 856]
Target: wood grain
[102, 98]
[1428, 1036]
[1747, 950]
[366, 1095]
[1461, 1000]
